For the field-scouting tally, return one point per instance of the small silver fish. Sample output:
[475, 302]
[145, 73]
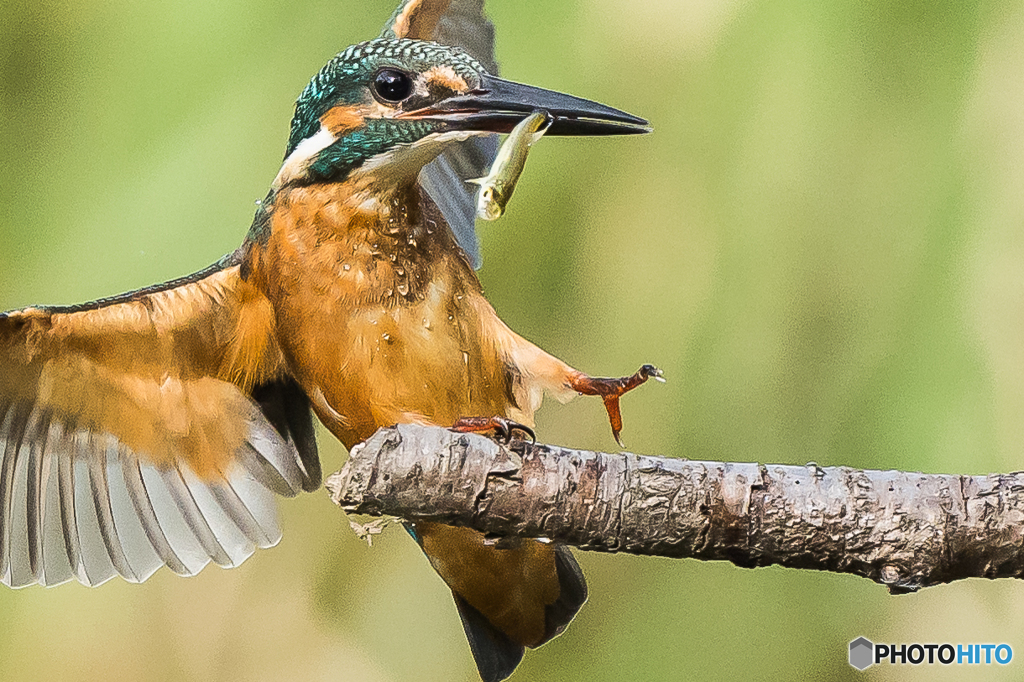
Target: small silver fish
[497, 187]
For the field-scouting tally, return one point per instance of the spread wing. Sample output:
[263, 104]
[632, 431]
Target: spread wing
[146, 430]
[460, 23]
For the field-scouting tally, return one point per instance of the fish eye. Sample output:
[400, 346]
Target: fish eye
[392, 85]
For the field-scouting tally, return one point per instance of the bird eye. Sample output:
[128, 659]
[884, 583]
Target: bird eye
[392, 85]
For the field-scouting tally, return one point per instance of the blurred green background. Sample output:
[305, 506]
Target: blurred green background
[821, 244]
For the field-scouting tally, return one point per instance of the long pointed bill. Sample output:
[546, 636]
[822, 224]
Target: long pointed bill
[498, 105]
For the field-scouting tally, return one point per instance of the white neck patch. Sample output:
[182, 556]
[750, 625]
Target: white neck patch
[402, 161]
[298, 161]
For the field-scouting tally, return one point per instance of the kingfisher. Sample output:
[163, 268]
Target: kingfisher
[155, 428]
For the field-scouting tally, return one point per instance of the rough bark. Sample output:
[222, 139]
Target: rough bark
[904, 530]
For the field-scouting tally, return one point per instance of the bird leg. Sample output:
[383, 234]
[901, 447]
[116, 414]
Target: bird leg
[611, 390]
[501, 426]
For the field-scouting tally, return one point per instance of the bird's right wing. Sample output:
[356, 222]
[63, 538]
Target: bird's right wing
[145, 430]
[460, 23]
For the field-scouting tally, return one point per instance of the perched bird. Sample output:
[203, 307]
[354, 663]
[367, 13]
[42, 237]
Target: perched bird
[154, 428]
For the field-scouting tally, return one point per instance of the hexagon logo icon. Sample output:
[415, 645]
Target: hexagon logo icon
[862, 653]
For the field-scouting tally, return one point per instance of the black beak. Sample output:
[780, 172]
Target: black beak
[498, 105]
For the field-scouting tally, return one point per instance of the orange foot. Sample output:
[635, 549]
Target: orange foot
[611, 389]
[501, 426]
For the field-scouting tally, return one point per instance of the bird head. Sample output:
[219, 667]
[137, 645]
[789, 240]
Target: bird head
[397, 102]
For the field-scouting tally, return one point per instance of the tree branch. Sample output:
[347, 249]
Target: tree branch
[903, 530]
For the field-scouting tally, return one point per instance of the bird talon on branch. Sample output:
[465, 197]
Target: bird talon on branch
[503, 428]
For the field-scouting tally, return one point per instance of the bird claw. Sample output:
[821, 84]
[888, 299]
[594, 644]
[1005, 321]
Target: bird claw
[611, 390]
[654, 373]
[503, 428]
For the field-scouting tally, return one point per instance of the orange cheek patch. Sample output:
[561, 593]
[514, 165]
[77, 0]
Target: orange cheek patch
[341, 120]
[445, 77]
